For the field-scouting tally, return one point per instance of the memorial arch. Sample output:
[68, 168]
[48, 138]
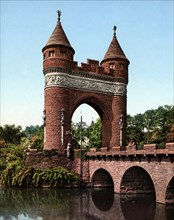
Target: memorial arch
[102, 85]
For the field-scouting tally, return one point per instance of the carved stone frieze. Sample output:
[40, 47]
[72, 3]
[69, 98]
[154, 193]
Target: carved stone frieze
[84, 74]
[83, 83]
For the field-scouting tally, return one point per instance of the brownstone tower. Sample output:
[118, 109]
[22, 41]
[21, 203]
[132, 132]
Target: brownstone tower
[116, 60]
[68, 85]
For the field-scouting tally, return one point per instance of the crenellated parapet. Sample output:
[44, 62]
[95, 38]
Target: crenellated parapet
[149, 152]
[92, 67]
[89, 76]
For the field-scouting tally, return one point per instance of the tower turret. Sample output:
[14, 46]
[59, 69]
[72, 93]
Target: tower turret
[115, 59]
[58, 50]
[57, 59]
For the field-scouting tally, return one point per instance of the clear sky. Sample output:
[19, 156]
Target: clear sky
[144, 31]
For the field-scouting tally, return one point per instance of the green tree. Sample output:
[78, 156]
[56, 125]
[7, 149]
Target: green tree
[11, 134]
[35, 135]
[91, 135]
[34, 130]
[163, 121]
[78, 134]
[135, 128]
[37, 142]
[94, 134]
[151, 127]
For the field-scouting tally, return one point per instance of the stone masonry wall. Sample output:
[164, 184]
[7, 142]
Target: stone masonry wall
[131, 170]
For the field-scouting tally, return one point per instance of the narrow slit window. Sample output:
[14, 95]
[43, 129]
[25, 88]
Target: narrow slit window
[63, 53]
[121, 66]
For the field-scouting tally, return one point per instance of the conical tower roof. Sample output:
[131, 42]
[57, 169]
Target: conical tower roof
[114, 50]
[58, 37]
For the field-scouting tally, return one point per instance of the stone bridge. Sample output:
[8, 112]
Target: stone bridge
[133, 171]
[149, 170]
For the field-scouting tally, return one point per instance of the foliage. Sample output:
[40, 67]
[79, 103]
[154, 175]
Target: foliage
[11, 134]
[79, 134]
[151, 127]
[135, 128]
[14, 173]
[37, 142]
[55, 177]
[12, 157]
[36, 136]
[34, 130]
[10, 177]
[94, 134]
[90, 136]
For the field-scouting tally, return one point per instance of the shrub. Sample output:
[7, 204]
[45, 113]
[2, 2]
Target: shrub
[55, 177]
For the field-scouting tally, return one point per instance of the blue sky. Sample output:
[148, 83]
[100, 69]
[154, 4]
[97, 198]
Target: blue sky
[144, 31]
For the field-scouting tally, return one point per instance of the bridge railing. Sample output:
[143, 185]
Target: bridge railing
[148, 149]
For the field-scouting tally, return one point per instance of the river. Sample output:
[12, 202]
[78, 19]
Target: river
[79, 204]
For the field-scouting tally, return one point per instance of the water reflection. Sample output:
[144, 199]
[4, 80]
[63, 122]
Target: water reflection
[103, 199]
[78, 204]
[142, 206]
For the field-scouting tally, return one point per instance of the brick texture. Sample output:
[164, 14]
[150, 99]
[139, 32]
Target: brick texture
[60, 55]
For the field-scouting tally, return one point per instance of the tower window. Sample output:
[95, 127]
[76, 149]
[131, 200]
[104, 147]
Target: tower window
[63, 53]
[44, 56]
[112, 66]
[121, 66]
[51, 53]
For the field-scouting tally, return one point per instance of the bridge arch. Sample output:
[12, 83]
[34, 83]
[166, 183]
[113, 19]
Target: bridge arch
[136, 180]
[156, 177]
[102, 178]
[169, 199]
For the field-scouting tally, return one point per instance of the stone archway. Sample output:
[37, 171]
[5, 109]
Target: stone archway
[136, 180]
[102, 111]
[101, 178]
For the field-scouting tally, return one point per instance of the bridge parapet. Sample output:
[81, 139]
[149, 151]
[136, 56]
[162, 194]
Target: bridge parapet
[149, 152]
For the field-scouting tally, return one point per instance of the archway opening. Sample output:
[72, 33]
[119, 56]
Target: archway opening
[138, 193]
[86, 128]
[170, 192]
[102, 179]
[137, 180]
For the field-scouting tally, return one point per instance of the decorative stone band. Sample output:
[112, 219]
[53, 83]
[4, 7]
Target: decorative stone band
[86, 84]
[84, 74]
